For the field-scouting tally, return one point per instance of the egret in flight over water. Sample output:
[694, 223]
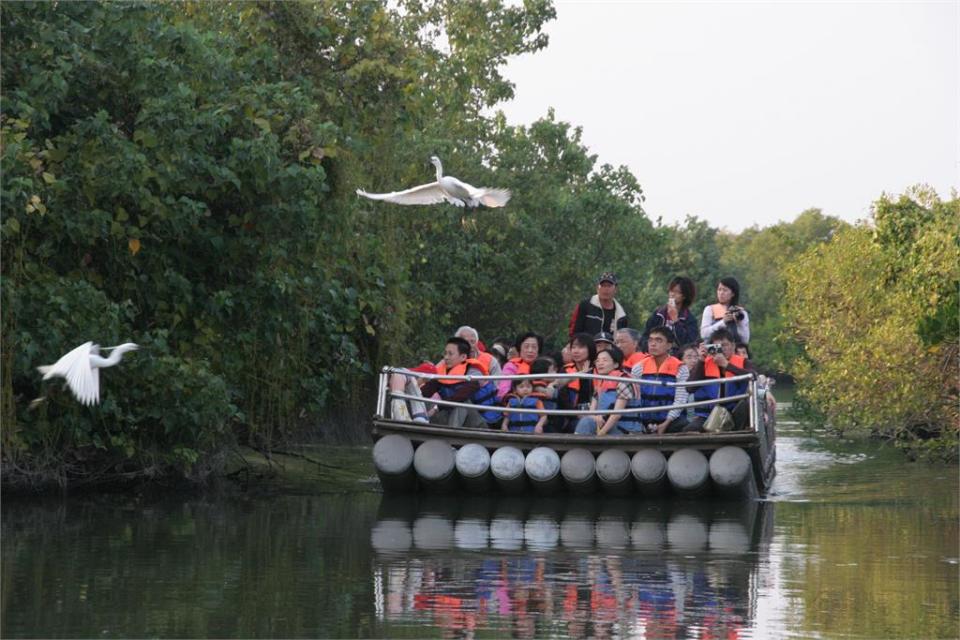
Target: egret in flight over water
[446, 188]
[81, 368]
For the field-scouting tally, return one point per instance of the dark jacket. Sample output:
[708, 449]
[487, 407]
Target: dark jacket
[588, 317]
[685, 329]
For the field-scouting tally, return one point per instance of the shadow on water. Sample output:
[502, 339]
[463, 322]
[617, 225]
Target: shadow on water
[567, 567]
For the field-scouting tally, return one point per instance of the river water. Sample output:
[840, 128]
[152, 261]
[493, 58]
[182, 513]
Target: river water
[852, 542]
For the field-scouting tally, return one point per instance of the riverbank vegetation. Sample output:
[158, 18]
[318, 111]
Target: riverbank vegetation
[183, 175]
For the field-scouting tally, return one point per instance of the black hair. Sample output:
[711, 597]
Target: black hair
[721, 334]
[585, 340]
[542, 365]
[616, 355]
[691, 345]
[687, 288]
[529, 334]
[462, 345]
[666, 332]
[731, 283]
[737, 346]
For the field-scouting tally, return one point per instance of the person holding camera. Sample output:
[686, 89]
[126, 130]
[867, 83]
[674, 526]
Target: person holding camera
[720, 362]
[726, 313]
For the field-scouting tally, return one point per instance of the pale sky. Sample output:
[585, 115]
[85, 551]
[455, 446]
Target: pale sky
[748, 113]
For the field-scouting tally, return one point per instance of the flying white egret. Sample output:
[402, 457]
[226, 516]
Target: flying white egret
[446, 188]
[81, 368]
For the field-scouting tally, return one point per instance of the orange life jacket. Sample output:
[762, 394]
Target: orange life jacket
[633, 359]
[523, 367]
[711, 370]
[459, 370]
[574, 384]
[485, 358]
[599, 386]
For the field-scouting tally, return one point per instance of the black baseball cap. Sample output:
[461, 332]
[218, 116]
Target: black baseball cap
[603, 336]
[607, 276]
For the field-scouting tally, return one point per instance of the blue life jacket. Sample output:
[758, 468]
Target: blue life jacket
[523, 422]
[606, 392]
[657, 395]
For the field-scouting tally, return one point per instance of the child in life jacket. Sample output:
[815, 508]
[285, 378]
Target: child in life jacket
[521, 397]
[547, 390]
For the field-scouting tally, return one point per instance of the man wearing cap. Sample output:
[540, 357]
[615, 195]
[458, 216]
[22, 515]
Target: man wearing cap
[603, 341]
[600, 313]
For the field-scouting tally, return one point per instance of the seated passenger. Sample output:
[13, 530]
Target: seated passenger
[401, 409]
[521, 397]
[576, 393]
[675, 315]
[660, 366]
[471, 336]
[628, 341]
[528, 347]
[725, 364]
[548, 391]
[456, 361]
[603, 341]
[742, 350]
[608, 394]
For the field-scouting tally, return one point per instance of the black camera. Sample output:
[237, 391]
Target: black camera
[736, 311]
[714, 349]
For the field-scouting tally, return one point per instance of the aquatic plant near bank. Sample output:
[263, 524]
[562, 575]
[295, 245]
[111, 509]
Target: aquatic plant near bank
[876, 312]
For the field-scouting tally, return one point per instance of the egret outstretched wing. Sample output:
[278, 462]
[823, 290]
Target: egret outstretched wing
[492, 197]
[424, 194]
[446, 188]
[83, 380]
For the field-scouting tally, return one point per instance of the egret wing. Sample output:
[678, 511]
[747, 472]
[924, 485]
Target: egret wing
[424, 194]
[81, 377]
[493, 197]
[62, 366]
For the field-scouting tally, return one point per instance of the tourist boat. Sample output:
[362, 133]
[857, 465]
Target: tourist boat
[411, 456]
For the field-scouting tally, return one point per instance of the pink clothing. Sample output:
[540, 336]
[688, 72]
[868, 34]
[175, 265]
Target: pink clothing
[503, 386]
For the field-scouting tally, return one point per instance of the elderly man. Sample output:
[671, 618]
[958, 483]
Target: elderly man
[628, 341]
[473, 338]
[601, 312]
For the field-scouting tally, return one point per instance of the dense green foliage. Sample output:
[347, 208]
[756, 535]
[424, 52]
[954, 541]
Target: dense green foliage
[875, 311]
[183, 175]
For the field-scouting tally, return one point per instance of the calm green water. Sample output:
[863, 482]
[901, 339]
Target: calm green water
[852, 542]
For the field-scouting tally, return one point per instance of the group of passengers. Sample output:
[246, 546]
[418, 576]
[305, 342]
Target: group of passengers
[669, 350]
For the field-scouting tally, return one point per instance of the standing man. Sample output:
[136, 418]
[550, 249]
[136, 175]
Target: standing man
[600, 313]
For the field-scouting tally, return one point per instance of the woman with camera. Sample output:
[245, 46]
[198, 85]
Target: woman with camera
[726, 313]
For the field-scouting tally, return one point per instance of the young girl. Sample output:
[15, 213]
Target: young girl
[520, 397]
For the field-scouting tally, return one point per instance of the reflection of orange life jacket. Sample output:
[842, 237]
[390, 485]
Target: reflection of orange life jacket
[459, 370]
[523, 367]
[718, 310]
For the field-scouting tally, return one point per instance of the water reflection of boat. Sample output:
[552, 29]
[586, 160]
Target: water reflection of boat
[569, 567]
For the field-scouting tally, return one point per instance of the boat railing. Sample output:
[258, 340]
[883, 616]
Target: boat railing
[385, 393]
